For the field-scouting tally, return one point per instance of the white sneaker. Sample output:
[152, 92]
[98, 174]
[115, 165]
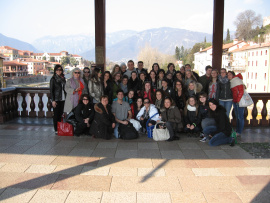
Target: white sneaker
[203, 140]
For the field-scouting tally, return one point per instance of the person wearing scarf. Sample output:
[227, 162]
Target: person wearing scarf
[58, 94]
[75, 87]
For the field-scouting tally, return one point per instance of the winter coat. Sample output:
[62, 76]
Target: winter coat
[204, 80]
[102, 122]
[180, 101]
[115, 87]
[108, 90]
[133, 84]
[203, 112]
[152, 111]
[95, 89]
[237, 87]
[191, 117]
[224, 91]
[56, 88]
[172, 115]
[169, 92]
[222, 121]
[83, 111]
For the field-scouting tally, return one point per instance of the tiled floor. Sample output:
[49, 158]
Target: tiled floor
[37, 166]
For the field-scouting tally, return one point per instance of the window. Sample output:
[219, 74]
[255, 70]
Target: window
[253, 53]
[248, 75]
[265, 52]
[256, 63]
[252, 63]
[248, 63]
[264, 76]
[256, 53]
[255, 86]
[261, 53]
[264, 88]
[251, 75]
[255, 75]
[248, 53]
[247, 85]
[251, 86]
[265, 62]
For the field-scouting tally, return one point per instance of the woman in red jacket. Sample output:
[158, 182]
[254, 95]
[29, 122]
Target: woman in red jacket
[237, 87]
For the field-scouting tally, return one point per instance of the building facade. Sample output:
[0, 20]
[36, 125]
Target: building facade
[9, 52]
[14, 69]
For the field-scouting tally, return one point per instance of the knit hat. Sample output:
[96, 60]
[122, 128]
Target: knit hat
[213, 101]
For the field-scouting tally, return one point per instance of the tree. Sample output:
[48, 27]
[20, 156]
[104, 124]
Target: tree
[177, 53]
[245, 23]
[44, 58]
[205, 39]
[65, 61]
[52, 59]
[73, 61]
[228, 37]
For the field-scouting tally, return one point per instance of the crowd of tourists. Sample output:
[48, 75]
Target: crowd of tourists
[183, 100]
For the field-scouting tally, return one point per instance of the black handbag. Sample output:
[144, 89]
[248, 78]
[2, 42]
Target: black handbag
[127, 132]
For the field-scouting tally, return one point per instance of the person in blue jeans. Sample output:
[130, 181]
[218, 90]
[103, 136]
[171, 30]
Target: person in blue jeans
[220, 133]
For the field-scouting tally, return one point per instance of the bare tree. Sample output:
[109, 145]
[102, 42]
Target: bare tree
[245, 23]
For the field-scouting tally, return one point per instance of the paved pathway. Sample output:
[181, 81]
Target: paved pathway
[37, 166]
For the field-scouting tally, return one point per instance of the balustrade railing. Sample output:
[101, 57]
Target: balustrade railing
[35, 102]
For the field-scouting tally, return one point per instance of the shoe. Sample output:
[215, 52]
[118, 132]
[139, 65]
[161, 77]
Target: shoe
[170, 139]
[203, 140]
[233, 142]
[76, 135]
[176, 138]
[202, 135]
[55, 132]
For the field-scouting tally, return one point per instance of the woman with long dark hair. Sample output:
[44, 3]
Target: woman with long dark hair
[179, 95]
[95, 85]
[153, 79]
[155, 67]
[148, 92]
[107, 85]
[57, 92]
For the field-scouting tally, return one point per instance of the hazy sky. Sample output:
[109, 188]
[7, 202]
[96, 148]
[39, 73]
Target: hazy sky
[28, 20]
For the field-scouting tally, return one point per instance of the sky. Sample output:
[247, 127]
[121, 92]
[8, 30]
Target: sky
[28, 20]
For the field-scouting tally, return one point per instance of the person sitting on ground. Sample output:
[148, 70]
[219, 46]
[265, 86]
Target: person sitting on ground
[148, 111]
[84, 114]
[136, 107]
[104, 121]
[172, 118]
[220, 133]
[121, 111]
[191, 116]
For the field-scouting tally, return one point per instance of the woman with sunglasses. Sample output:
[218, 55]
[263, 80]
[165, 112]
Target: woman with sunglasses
[58, 94]
[75, 87]
[84, 115]
[95, 85]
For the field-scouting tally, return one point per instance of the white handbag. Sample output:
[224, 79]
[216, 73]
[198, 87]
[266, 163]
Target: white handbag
[160, 134]
[246, 100]
[136, 124]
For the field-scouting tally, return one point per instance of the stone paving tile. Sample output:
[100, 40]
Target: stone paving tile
[153, 197]
[67, 169]
[258, 170]
[149, 153]
[151, 172]
[82, 197]
[185, 197]
[38, 150]
[216, 154]
[188, 145]
[120, 171]
[83, 183]
[138, 184]
[255, 182]
[222, 197]
[8, 142]
[96, 171]
[1, 165]
[175, 172]
[3, 149]
[107, 145]
[194, 154]
[238, 154]
[254, 197]
[258, 162]
[104, 152]
[8, 178]
[67, 143]
[17, 195]
[206, 146]
[70, 160]
[215, 163]
[126, 153]
[117, 162]
[41, 169]
[206, 172]
[81, 152]
[50, 196]
[148, 145]
[172, 154]
[86, 145]
[13, 167]
[210, 184]
[175, 163]
[127, 146]
[127, 197]
[166, 146]
[59, 151]
[17, 149]
[26, 159]
[35, 180]
[234, 171]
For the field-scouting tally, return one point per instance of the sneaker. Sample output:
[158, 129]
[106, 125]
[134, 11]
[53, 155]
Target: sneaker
[203, 140]
[202, 135]
[233, 142]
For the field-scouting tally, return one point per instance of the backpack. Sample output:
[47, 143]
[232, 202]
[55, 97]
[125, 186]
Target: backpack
[127, 132]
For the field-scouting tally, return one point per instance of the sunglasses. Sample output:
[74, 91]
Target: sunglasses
[77, 72]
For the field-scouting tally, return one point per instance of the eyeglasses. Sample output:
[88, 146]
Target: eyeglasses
[77, 72]
[86, 72]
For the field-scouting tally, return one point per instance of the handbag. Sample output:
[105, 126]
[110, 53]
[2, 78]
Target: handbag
[160, 134]
[150, 128]
[71, 119]
[136, 124]
[246, 100]
[64, 128]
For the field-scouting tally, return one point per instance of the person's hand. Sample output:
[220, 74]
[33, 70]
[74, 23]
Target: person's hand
[78, 89]
[141, 118]
[113, 125]
[210, 136]
[158, 121]
[188, 125]
[54, 104]
[192, 127]
[125, 122]
[149, 124]
[86, 120]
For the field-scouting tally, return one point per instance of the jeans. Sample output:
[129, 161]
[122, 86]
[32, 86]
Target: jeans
[209, 130]
[116, 134]
[239, 114]
[220, 139]
[169, 126]
[208, 122]
[227, 105]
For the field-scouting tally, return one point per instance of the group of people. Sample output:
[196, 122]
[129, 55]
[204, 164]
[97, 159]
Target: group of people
[183, 100]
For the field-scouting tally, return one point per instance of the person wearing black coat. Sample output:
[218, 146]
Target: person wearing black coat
[191, 120]
[58, 94]
[84, 115]
[107, 85]
[133, 83]
[221, 132]
[104, 121]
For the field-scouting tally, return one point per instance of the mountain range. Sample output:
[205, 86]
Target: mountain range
[121, 45]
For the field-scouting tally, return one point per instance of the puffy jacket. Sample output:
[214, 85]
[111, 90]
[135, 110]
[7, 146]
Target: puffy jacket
[237, 87]
[152, 111]
[172, 115]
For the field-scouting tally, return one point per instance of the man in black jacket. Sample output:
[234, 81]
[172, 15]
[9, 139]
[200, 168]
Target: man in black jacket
[205, 79]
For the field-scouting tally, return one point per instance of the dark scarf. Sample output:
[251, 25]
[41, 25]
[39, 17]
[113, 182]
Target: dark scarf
[60, 79]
